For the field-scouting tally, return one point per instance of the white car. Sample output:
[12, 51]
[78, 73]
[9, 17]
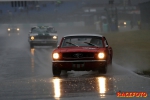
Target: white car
[43, 36]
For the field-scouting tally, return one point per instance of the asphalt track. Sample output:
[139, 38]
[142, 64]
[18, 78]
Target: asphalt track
[26, 74]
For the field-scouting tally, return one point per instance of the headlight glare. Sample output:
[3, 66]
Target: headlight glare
[101, 55]
[55, 55]
[54, 37]
[18, 29]
[125, 23]
[32, 37]
[8, 29]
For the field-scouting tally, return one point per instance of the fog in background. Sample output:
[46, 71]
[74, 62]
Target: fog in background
[68, 17]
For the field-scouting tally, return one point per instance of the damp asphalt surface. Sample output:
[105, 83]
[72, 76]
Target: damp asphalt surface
[26, 74]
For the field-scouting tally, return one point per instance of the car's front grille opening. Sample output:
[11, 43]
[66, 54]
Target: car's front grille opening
[78, 55]
[43, 37]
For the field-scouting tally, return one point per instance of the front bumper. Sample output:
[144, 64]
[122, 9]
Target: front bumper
[80, 65]
[43, 41]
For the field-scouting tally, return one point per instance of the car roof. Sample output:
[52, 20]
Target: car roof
[42, 26]
[98, 35]
[13, 26]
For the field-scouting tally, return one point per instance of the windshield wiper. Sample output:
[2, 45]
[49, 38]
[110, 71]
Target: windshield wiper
[90, 44]
[72, 44]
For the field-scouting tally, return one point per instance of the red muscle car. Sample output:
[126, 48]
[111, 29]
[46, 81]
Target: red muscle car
[82, 52]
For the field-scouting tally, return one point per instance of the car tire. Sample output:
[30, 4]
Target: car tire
[103, 70]
[110, 59]
[31, 46]
[110, 64]
[56, 71]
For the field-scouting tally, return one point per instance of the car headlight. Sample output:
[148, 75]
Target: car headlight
[101, 55]
[54, 37]
[8, 29]
[18, 29]
[55, 55]
[125, 23]
[32, 37]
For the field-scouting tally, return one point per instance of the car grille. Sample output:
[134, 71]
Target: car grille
[43, 37]
[78, 55]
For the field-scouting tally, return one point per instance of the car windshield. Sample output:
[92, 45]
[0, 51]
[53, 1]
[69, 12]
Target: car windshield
[82, 41]
[40, 29]
[13, 26]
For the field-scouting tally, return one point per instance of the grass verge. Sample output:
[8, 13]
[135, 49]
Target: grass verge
[131, 49]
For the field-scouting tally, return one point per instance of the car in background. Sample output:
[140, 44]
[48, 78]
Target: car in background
[43, 36]
[122, 23]
[82, 52]
[13, 29]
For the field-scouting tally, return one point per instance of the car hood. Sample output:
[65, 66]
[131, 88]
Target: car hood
[79, 49]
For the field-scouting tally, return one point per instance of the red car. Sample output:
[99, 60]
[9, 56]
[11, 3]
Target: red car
[82, 52]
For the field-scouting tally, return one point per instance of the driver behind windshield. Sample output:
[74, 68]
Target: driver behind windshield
[96, 41]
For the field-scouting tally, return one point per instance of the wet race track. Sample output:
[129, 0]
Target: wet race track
[26, 74]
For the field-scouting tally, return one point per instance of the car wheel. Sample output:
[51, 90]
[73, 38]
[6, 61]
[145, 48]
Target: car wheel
[103, 70]
[110, 64]
[110, 60]
[31, 46]
[56, 71]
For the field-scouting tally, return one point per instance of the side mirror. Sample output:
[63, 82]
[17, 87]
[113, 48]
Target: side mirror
[106, 46]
